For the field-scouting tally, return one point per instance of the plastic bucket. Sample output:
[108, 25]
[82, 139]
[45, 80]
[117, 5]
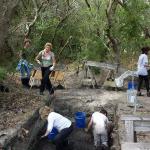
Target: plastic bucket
[52, 134]
[131, 96]
[132, 85]
[80, 119]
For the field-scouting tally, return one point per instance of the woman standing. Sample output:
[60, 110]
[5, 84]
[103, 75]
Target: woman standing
[46, 59]
[143, 71]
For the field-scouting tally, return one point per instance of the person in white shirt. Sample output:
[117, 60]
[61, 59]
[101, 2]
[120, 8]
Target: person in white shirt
[61, 123]
[99, 122]
[143, 70]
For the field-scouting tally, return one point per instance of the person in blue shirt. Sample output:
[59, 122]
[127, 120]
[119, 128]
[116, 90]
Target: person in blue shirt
[25, 70]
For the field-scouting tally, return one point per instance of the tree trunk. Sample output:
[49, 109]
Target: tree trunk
[6, 14]
[110, 13]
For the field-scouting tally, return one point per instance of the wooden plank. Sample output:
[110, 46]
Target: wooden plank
[129, 131]
[142, 126]
[135, 146]
[87, 82]
[136, 118]
[37, 74]
[142, 123]
[58, 76]
[143, 129]
[101, 65]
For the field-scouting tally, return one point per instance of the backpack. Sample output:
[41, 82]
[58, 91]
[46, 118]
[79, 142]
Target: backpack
[25, 68]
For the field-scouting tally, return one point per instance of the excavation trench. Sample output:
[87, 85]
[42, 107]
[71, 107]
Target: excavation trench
[66, 103]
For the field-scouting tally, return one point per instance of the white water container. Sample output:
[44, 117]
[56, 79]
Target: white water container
[132, 96]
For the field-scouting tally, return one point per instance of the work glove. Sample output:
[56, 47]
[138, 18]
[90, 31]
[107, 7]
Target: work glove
[51, 68]
[38, 62]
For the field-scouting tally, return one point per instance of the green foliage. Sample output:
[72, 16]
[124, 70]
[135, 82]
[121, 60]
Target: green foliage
[133, 20]
[54, 30]
[94, 50]
[96, 70]
[2, 73]
[59, 20]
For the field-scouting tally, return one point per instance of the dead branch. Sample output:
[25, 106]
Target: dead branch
[68, 40]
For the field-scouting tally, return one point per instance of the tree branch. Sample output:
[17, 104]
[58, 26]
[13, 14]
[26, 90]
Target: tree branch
[37, 10]
[97, 4]
[147, 32]
[68, 40]
[68, 3]
[59, 24]
[23, 3]
[88, 4]
[120, 3]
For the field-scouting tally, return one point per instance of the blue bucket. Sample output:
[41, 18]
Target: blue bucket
[80, 119]
[132, 85]
[52, 134]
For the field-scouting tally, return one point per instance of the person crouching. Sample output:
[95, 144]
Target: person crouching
[61, 123]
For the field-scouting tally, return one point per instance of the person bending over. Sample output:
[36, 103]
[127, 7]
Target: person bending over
[99, 123]
[61, 123]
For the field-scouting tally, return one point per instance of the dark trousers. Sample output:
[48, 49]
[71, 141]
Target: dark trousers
[61, 138]
[45, 82]
[25, 82]
[145, 78]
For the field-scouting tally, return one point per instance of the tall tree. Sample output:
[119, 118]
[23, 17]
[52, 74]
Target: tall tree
[111, 19]
[7, 10]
